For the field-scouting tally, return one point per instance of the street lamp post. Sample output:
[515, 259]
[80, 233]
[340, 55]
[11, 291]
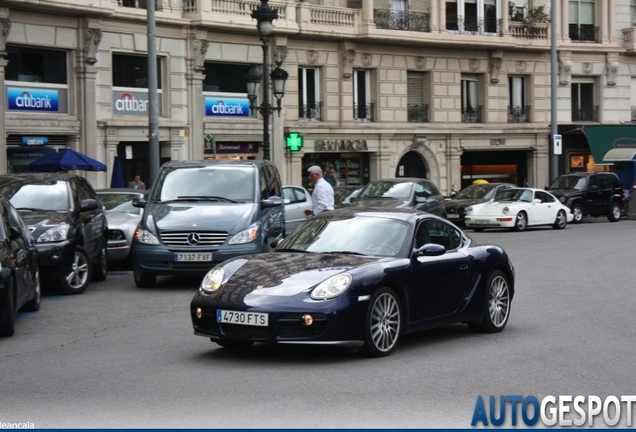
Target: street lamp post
[264, 16]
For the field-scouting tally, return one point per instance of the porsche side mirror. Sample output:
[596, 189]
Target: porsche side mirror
[429, 249]
[139, 202]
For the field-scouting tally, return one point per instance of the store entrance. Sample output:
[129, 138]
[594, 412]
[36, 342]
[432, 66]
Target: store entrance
[494, 166]
[135, 159]
[411, 165]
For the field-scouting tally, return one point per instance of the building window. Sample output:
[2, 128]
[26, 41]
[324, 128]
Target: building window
[309, 105]
[132, 71]
[471, 110]
[398, 14]
[583, 108]
[632, 11]
[225, 77]
[518, 106]
[582, 27]
[417, 97]
[138, 4]
[362, 106]
[473, 16]
[36, 65]
[633, 105]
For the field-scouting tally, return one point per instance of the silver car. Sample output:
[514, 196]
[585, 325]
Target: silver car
[297, 200]
[122, 218]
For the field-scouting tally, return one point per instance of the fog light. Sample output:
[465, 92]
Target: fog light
[56, 254]
[199, 313]
[307, 320]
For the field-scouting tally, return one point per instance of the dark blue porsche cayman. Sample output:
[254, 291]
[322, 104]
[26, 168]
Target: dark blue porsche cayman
[357, 278]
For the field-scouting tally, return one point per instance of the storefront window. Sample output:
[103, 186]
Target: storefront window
[132, 71]
[36, 65]
[225, 78]
[339, 169]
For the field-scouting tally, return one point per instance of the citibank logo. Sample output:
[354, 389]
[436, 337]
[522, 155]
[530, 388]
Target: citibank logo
[227, 107]
[128, 103]
[23, 99]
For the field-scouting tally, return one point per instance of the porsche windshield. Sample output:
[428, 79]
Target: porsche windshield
[358, 235]
[515, 195]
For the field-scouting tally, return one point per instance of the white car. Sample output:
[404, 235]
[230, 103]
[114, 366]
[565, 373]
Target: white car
[519, 208]
[297, 199]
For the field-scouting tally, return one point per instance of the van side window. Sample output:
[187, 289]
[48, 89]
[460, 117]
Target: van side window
[262, 181]
[273, 182]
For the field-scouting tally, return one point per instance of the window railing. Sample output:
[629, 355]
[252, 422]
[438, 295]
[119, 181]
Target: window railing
[417, 113]
[413, 21]
[472, 25]
[585, 113]
[472, 114]
[583, 33]
[311, 112]
[363, 112]
[519, 114]
[137, 4]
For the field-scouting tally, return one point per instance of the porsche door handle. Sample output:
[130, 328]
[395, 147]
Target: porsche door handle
[463, 268]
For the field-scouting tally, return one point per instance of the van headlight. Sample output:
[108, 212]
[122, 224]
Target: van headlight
[331, 287]
[56, 233]
[145, 237]
[244, 236]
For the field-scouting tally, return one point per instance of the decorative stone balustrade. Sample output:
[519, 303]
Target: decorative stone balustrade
[529, 31]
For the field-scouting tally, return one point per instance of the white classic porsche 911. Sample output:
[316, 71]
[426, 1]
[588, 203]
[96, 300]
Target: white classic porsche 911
[519, 208]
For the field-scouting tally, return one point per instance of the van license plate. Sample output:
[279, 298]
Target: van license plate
[242, 318]
[193, 257]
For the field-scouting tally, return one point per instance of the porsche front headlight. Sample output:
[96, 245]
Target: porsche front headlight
[505, 210]
[245, 236]
[331, 287]
[469, 210]
[57, 233]
[212, 280]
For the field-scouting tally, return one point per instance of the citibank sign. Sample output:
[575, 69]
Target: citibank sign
[131, 103]
[32, 99]
[226, 107]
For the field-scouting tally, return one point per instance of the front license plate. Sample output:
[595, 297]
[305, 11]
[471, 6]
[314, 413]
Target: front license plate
[193, 257]
[480, 222]
[242, 318]
[452, 216]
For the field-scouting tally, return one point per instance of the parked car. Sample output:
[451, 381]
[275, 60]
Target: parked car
[68, 223]
[357, 278]
[19, 274]
[297, 199]
[471, 195]
[590, 194]
[402, 192]
[345, 195]
[200, 213]
[123, 218]
[519, 208]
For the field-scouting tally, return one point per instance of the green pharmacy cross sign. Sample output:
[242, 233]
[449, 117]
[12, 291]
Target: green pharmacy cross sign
[294, 141]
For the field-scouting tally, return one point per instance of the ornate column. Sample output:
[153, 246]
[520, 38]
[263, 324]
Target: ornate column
[434, 18]
[198, 49]
[505, 18]
[347, 56]
[5, 28]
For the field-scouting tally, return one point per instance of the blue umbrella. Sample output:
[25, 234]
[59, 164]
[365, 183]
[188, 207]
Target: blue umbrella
[117, 177]
[66, 160]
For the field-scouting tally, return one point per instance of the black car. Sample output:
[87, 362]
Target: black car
[402, 192]
[474, 194]
[19, 275]
[356, 277]
[590, 194]
[345, 195]
[68, 223]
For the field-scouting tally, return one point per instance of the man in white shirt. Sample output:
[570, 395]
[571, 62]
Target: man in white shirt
[322, 195]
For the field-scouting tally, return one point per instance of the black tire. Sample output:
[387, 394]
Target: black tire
[577, 211]
[226, 343]
[33, 305]
[561, 220]
[7, 328]
[615, 211]
[521, 221]
[144, 280]
[100, 269]
[383, 324]
[497, 304]
[77, 280]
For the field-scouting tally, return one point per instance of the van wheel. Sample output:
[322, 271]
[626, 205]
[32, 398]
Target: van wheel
[144, 280]
[577, 211]
[614, 214]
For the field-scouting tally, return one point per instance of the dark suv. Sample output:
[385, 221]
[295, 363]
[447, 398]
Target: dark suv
[67, 222]
[199, 213]
[590, 194]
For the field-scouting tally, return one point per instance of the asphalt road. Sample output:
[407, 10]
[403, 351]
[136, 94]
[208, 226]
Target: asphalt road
[119, 356]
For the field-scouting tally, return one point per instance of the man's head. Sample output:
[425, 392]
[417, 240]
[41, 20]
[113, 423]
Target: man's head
[315, 173]
[137, 178]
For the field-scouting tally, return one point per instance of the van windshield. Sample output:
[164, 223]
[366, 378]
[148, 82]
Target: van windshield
[231, 184]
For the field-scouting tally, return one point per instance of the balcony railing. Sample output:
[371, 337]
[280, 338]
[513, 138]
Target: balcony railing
[472, 25]
[310, 112]
[583, 33]
[223, 9]
[472, 114]
[417, 113]
[529, 31]
[519, 114]
[585, 113]
[363, 112]
[412, 21]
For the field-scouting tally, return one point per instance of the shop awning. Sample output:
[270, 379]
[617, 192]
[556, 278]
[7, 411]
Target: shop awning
[611, 144]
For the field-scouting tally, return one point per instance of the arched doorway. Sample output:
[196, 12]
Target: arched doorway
[411, 165]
